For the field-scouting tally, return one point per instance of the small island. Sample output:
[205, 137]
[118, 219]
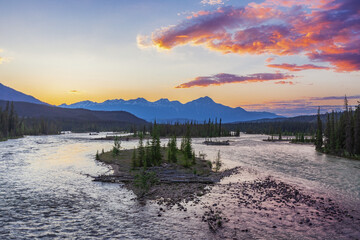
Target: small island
[165, 172]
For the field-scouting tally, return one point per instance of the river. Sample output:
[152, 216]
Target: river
[46, 191]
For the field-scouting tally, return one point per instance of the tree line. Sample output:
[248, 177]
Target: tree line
[208, 129]
[274, 127]
[12, 126]
[341, 133]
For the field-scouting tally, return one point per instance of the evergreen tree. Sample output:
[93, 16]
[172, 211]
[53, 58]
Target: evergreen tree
[148, 155]
[319, 135]
[220, 130]
[357, 131]
[172, 150]
[134, 160]
[156, 147]
[141, 151]
[348, 128]
[328, 134]
[332, 133]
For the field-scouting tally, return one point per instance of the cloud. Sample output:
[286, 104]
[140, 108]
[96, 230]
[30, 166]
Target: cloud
[322, 30]
[285, 82]
[212, 2]
[306, 106]
[343, 62]
[335, 98]
[74, 91]
[5, 60]
[296, 68]
[143, 41]
[270, 59]
[224, 78]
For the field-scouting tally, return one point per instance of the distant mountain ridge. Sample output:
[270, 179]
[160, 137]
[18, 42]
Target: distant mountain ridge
[73, 118]
[9, 94]
[164, 110]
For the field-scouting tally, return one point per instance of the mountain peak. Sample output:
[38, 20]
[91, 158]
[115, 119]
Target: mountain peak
[205, 99]
[162, 100]
[9, 94]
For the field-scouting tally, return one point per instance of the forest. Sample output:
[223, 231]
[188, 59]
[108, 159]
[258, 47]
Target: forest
[11, 126]
[340, 135]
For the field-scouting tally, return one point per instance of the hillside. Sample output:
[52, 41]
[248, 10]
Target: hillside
[76, 119]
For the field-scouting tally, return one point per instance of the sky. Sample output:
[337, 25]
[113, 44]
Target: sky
[282, 56]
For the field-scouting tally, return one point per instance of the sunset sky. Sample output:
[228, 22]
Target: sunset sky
[282, 56]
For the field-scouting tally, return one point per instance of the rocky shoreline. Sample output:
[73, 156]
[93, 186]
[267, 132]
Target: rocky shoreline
[244, 209]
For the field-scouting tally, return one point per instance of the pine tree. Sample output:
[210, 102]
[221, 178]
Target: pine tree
[134, 160]
[220, 130]
[348, 128]
[141, 150]
[148, 155]
[319, 135]
[217, 163]
[156, 147]
[327, 134]
[357, 131]
[172, 150]
[332, 133]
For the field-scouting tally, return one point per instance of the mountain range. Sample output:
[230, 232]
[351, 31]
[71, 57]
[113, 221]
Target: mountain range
[164, 110]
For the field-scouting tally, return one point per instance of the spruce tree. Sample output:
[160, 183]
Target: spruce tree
[357, 130]
[134, 159]
[319, 135]
[327, 134]
[348, 128]
[332, 133]
[141, 156]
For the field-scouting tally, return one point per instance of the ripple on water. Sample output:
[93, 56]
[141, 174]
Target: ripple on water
[43, 194]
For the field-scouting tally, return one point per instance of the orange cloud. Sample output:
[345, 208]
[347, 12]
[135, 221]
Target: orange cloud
[224, 78]
[296, 68]
[323, 30]
[285, 82]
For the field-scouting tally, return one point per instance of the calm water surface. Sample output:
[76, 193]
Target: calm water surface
[45, 191]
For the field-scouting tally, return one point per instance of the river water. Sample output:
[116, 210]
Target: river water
[45, 191]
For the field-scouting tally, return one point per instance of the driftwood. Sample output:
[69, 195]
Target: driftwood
[162, 178]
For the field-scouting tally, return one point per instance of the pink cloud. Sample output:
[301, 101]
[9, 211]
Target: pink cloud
[224, 78]
[270, 59]
[323, 30]
[296, 68]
